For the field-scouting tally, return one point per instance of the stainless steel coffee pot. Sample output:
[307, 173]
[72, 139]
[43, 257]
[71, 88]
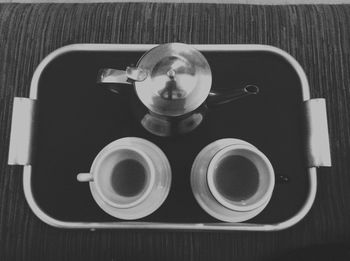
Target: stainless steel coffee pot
[173, 85]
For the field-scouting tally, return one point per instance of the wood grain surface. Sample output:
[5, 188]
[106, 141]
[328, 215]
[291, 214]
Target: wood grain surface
[317, 36]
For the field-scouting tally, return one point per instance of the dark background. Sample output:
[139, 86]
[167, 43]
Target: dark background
[317, 36]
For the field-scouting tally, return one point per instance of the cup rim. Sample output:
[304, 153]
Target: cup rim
[103, 155]
[219, 198]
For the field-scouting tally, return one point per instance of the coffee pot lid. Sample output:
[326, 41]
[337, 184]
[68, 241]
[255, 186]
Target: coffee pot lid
[178, 79]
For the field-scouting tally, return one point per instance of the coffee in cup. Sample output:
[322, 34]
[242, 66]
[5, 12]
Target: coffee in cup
[130, 178]
[232, 180]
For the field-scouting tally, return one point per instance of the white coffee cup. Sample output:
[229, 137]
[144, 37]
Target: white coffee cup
[129, 178]
[247, 170]
[232, 180]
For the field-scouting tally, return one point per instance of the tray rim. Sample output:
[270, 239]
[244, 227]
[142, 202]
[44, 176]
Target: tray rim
[27, 170]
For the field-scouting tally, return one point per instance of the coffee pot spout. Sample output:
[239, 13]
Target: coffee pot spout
[112, 78]
[218, 97]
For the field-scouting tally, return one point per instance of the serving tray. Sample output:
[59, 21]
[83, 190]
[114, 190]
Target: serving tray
[68, 119]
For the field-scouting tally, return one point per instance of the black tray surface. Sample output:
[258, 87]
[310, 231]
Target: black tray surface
[77, 119]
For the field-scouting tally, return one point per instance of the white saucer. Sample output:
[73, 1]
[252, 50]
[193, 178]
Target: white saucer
[159, 191]
[201, 190]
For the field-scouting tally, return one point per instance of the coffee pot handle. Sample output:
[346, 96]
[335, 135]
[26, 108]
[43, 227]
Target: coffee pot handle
[112, 78]
[219, 97]
[85, 177]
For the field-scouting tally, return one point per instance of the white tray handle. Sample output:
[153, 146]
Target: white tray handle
[317, 138]
[22, 131]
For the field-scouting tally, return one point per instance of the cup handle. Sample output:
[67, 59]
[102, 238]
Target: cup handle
[85, 177]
